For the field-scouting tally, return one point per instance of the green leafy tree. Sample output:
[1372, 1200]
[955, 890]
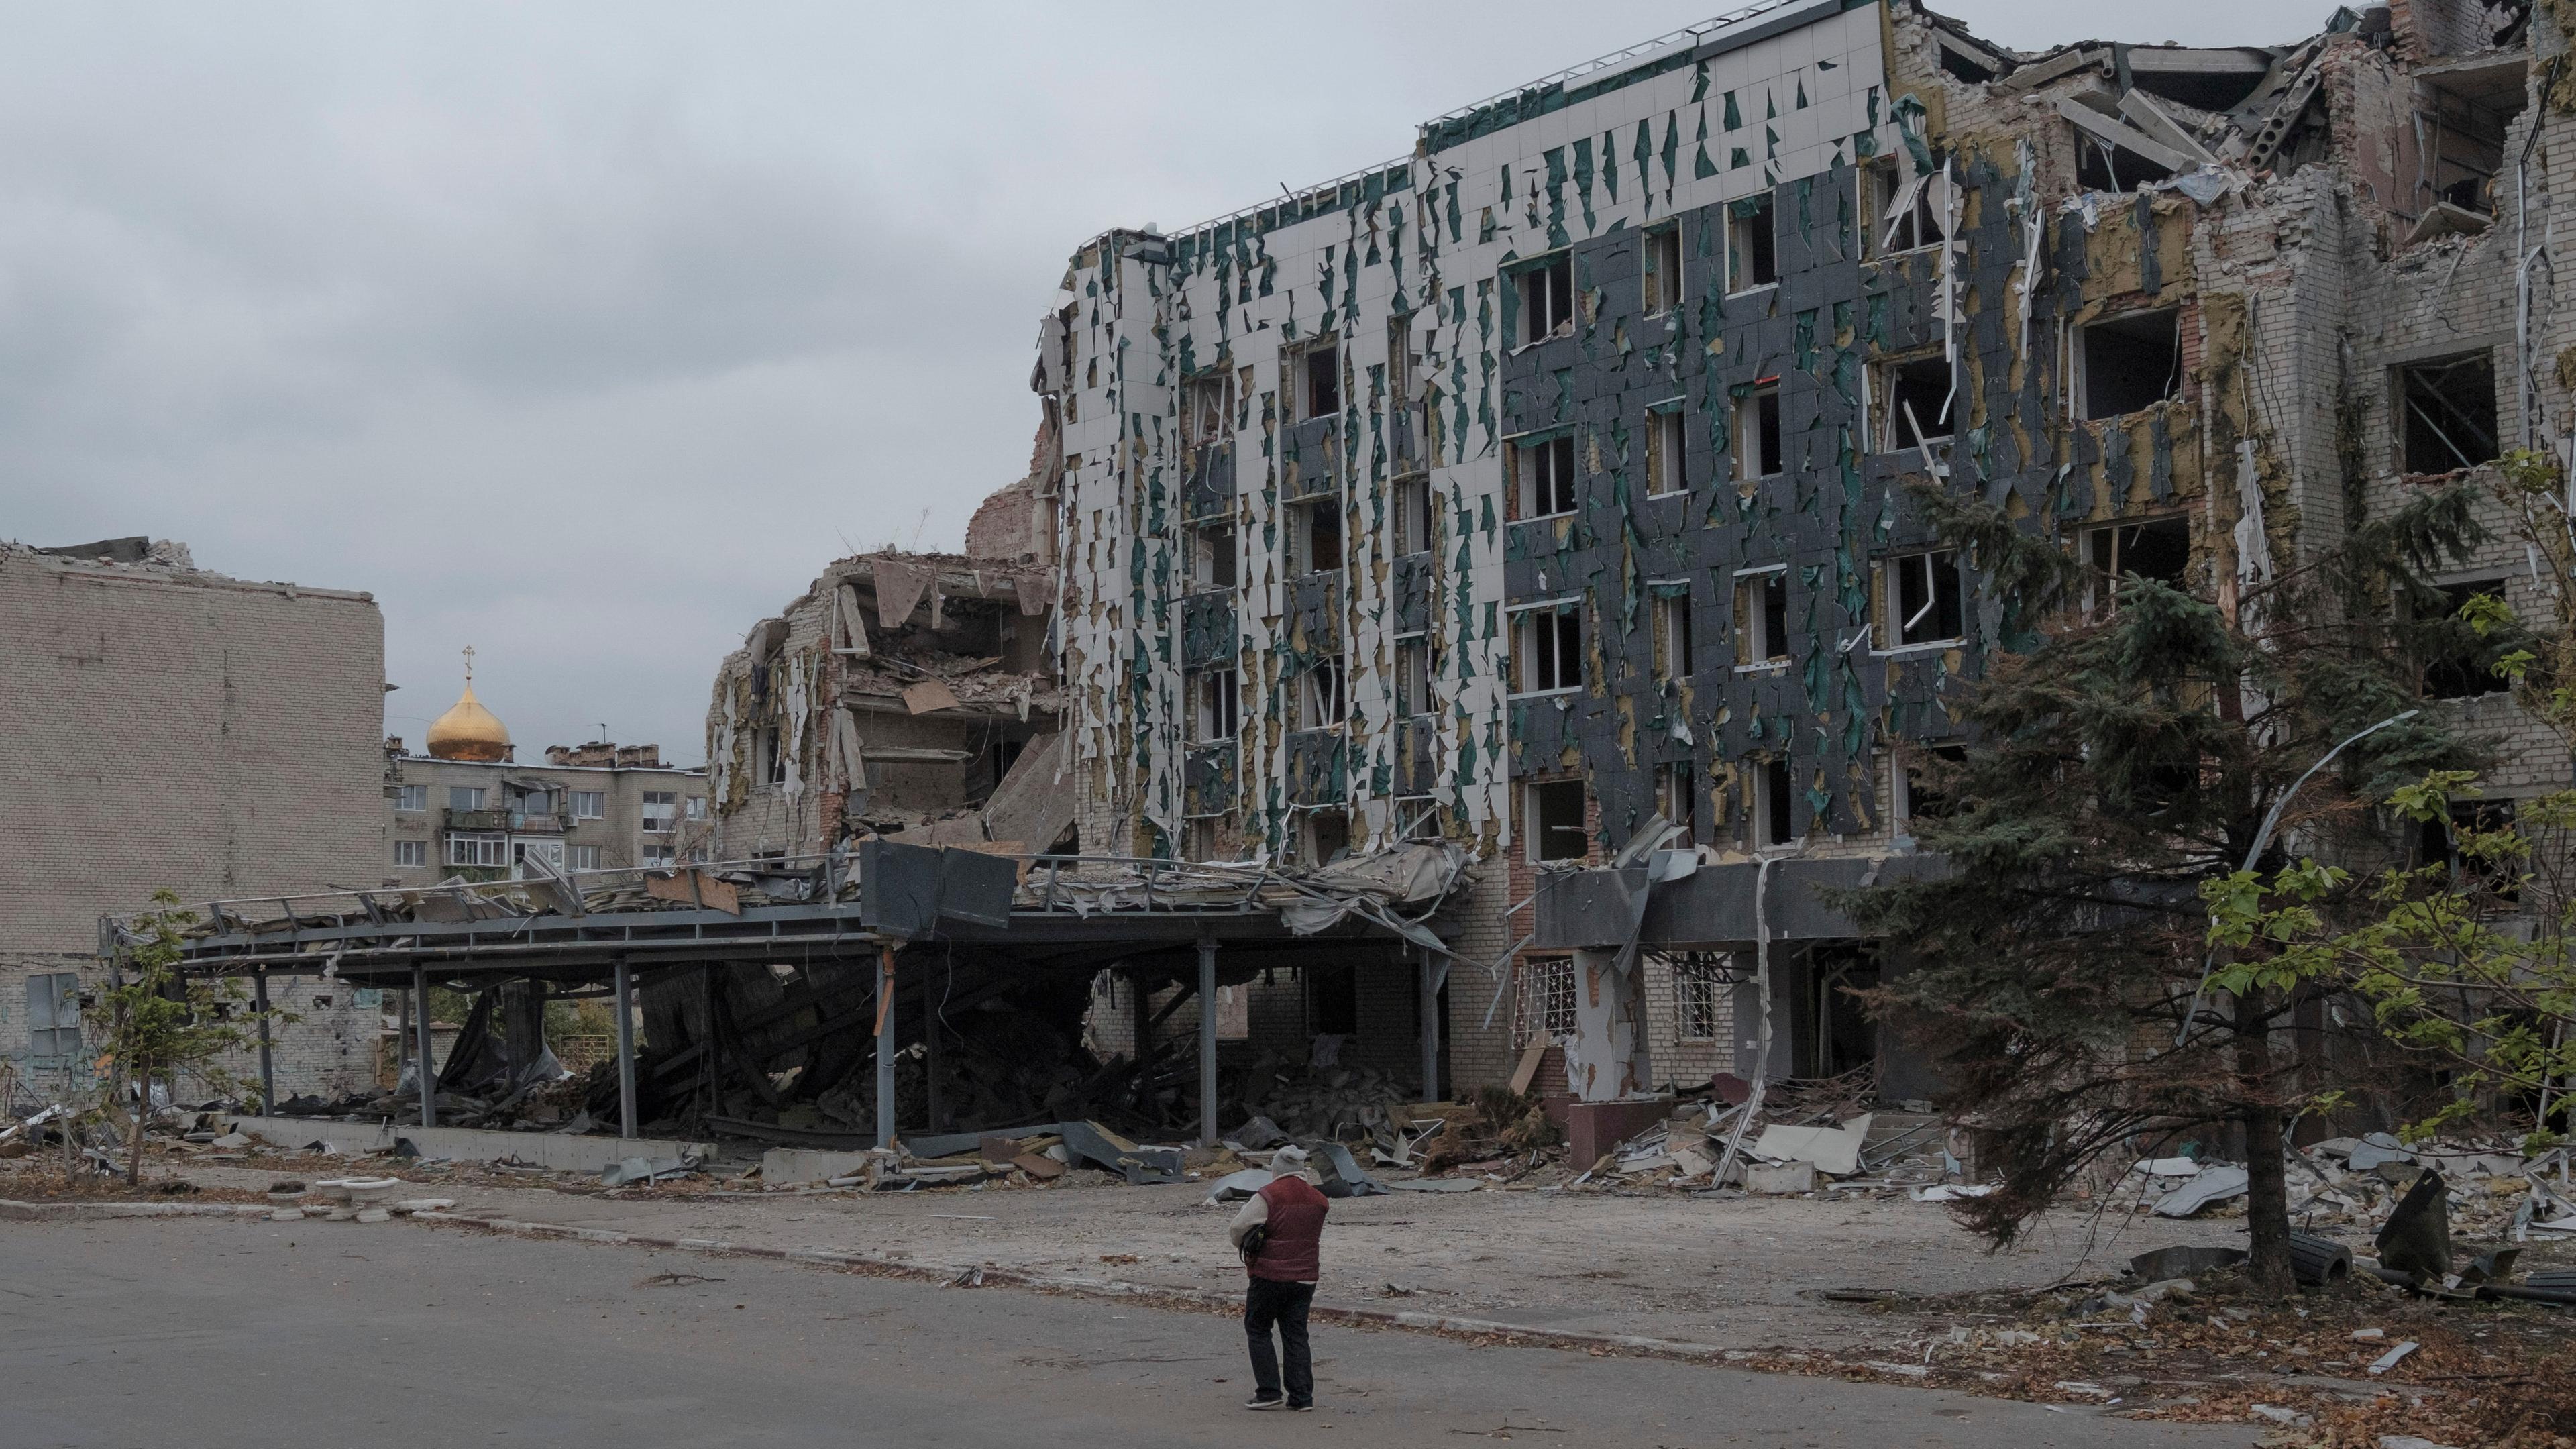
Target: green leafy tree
[154, 1024]
[2115, 769]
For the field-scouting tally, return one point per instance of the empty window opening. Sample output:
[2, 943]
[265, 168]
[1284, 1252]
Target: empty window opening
[1959, 64]
[2447, 413]
[1321, 697]
[1758, 452]
[1762, 618]
[1547, 299]
[1412, 676]
[2208, 80]
[1547, 651]
[1315, 536]
[2158, 549]
[1547, 477]
[2130, 362]
[1672, 631]
[773, 760]
[2438, 842]
[1544, 1010]
[2462, 664]
[1212, 556]
[1751, 249]
[1556, 810]
[1774, 815]
[1399, 360]
[1206, 404]
[1328, 837]
[1216, 701]
[1413, 515]
[1663, 269]
[1902, 216]
[1333, 999]
[1323, 381]
[1919, 401]
[1677, 798]
[1665, 445]
[1924, 781]
[2462, 132]
[1924, 590]
[1203, 838]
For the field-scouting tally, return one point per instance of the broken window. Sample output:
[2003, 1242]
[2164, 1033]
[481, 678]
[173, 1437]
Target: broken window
[588, 804]
[773, 760]
[1556, 811]
[661, 811]
[1919, 399]
[1700, 982]
[2462, 666]
[1399, 360]
[1328, 835]
[1546, 477]
[1547, 299]
[656, 857]
[2437, 842]
[1672, 630]
[696, 807]
[2129, 363]
[54, 1016]
[1901, 214]
[478, 850]
[1212, 556]
[1413, 515]
[1321, 390]
[1204, 835]
[2460, 126]
[1547, 650]
[2158, 549]
[2104, 165]
[581, 857]
[1751, 249]
[411, 799]
[1677, 798]
[1217, 698]
[1927, 604]
[1762, 617]
[1332, 999]
[1665, 444]
[1544, 1011]
[464, 797]
[1412, 676]
[1205, 413]
[1315, 536]
[2447, 413]
[1663, 283]
[1919, 780]
[1774, 813]
[1321, 701]
[1757, 431]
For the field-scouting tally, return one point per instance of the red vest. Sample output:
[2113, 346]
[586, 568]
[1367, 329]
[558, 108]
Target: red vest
[1296, 1231]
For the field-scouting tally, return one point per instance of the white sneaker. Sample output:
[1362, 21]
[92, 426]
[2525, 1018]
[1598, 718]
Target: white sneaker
[1257, 1402]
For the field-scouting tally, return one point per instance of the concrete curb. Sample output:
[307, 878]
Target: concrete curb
[984, 1275]
[29, 1212]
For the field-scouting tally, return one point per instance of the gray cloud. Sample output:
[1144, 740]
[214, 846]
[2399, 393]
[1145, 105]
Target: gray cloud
[586, 333]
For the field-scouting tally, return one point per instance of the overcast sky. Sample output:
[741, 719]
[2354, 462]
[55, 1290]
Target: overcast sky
[587, 334]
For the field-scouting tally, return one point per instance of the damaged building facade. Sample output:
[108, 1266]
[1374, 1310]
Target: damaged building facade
[1547, 490]
[163, 725]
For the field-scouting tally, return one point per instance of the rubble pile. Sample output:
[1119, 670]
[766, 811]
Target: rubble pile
[1302, 1100]
[1800, 1136]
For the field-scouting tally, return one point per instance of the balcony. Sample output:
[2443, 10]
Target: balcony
[516, 822]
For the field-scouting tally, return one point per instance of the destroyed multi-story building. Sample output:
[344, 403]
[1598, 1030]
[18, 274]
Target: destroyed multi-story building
[1550, 483]
[164, 726]
[466, 806]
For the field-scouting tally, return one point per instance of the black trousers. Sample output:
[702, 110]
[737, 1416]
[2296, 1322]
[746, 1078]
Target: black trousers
[1285, 1304]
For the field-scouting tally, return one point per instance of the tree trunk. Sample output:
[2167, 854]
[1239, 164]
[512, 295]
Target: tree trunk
[142, 1115]
[2267, 1191]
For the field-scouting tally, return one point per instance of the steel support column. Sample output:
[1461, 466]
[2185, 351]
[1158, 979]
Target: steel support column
[1207, 1043]
[267, 1063]
[420, 1057]
[1430, 982]
[625, 1050]
[885, 1046]
[937, 1105]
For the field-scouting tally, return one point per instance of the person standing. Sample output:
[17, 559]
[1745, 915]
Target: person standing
[1280, 1231]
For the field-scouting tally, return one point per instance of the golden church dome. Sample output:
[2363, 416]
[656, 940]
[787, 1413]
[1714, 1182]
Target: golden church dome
[468, 731]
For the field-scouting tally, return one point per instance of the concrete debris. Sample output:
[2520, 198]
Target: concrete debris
[2207, 1186]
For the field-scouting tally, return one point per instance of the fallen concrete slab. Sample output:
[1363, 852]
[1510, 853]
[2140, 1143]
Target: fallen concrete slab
[464, 1144]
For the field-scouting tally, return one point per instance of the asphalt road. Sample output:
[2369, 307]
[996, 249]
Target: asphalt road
[218, 1333]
